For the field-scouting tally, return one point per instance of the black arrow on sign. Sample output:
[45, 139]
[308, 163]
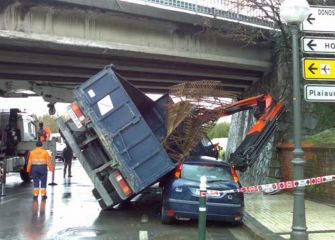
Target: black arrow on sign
[310, 18]
[311, 68]
[311, 45]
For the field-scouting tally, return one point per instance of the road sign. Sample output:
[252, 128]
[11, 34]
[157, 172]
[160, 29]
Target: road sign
[319, 69]
[318, 45]
[319, 93]
[320, 19]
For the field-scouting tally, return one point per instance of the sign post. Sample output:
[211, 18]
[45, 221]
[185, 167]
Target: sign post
[319, 69]
[319, 92]
[320, 19]
[318, 45]
[202, 208]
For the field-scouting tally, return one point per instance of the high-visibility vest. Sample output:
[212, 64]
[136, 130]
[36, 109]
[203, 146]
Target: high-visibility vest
[39, 156]
[45, 135]
[221, 153]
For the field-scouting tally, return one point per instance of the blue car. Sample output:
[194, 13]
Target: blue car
[180, 195]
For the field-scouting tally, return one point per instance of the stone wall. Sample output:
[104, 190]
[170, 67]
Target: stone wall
[320, 161]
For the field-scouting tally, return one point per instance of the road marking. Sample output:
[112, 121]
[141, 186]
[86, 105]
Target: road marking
[17, 194]
[11, 195]
[6, 201]
[143, 235]
[144, 218]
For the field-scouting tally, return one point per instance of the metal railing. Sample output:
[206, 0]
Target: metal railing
[234, 10]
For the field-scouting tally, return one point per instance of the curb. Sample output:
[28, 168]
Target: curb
[257, 230]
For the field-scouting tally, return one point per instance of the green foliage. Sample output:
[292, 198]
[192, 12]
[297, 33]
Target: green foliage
[222, 154]
[326, 113]
[219, 131]
[316, 189]
[325, 137]
[50, 122]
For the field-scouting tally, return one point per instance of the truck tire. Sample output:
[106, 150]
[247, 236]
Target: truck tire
[25, 176]
[103, 205]
[122, 205]
[96, 193]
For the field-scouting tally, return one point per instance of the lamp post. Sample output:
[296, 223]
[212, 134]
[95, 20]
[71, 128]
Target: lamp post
[294, 12]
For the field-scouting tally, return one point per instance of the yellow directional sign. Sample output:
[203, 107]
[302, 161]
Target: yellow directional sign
[319, 69]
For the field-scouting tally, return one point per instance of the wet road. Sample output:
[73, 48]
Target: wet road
[71, 212]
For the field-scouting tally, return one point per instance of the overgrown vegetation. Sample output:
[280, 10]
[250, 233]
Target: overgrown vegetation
[326, 115]
[49, 121]
[322, 113]
[219, 131]
[325, 137]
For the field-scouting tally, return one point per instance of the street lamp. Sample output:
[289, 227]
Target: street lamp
[294, 12]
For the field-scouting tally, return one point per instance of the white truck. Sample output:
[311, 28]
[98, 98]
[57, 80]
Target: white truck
[18, 135]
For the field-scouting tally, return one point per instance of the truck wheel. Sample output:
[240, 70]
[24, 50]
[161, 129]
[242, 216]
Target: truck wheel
[102, 204]
[165, 219]
[25, 176]
[122, 205]
[96, 193]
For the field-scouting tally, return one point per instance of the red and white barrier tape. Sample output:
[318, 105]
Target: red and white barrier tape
[284, 185]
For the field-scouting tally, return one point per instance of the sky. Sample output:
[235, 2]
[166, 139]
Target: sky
[32, 105]
[36, 105]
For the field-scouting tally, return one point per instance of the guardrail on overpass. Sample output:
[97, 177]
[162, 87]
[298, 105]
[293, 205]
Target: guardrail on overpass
[237, 11]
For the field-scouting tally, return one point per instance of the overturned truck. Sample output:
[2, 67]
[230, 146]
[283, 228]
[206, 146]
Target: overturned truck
[116, 132]
[126, 142]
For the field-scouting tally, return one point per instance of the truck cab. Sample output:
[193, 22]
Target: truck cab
[18, 135]
[27, 126]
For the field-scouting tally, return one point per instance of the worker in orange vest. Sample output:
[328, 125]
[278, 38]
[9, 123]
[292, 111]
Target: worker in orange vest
[44, 133]
[38, 163]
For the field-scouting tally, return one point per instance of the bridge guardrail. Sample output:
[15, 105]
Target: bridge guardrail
[226, 9]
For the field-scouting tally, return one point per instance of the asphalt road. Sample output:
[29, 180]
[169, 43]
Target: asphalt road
[71, 212]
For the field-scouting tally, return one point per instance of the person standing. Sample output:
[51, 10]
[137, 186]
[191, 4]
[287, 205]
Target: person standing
[67, 157]
[38, 163]
[221, 153]
[44, 133]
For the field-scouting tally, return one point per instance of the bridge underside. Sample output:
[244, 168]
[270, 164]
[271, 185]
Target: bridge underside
[46, 46]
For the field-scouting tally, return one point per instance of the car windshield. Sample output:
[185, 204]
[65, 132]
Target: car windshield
[211, 171]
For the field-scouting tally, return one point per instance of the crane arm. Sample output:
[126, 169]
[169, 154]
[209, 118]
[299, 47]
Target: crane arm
[267, 112]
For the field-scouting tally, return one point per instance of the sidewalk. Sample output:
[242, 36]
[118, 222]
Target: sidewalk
[270, 217]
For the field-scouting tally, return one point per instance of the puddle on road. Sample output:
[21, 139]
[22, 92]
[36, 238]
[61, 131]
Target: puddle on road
[66, 195]
[78, 233]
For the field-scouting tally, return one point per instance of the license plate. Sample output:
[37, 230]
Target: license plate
[210, 193]
[74, 118]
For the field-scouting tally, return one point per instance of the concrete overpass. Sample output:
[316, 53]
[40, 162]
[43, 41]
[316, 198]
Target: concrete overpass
[49, 46]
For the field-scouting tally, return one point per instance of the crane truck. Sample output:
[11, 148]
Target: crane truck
[18, 135]
[116, 132]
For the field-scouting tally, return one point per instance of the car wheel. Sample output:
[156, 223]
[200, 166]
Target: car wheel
[236, 223]
[165, 218]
